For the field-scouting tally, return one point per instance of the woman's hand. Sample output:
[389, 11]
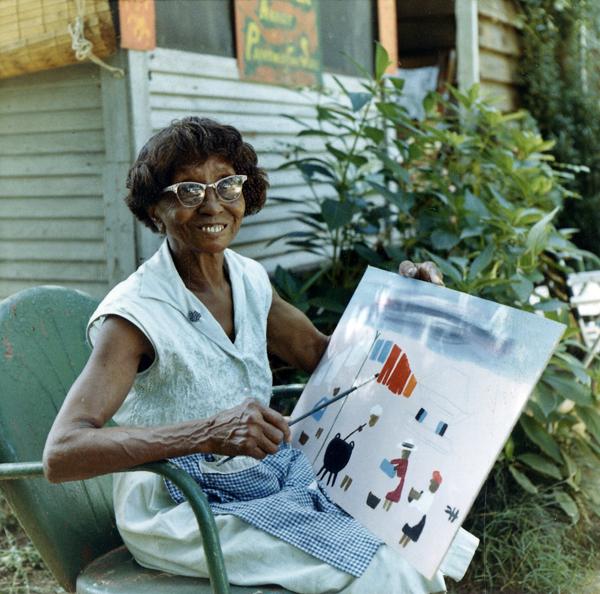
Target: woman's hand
[249, 429]
[425, 271]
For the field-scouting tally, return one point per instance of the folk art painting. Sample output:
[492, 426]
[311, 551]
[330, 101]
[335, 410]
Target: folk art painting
[444, 379]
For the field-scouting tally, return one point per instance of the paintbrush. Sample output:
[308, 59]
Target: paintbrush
[318, 408]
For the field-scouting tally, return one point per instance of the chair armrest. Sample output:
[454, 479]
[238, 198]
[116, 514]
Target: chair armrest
[20, 470]
[203, 513]
[187, 485]
[287, 391]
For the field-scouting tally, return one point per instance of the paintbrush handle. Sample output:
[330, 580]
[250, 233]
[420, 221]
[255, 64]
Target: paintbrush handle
[317, 408]
[323, 405]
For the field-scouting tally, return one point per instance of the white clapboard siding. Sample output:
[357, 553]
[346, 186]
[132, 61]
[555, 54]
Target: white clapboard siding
[184, 83]
[52, 156]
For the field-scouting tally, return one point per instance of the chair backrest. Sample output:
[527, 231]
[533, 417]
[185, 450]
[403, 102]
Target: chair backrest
[42, 351]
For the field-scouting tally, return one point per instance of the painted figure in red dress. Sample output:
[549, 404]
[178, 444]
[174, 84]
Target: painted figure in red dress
[401, 465]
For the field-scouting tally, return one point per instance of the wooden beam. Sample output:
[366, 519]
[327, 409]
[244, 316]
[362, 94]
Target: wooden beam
[141, 130]
[388, 31]
[467, 43]
[425, 9]
[118, 220]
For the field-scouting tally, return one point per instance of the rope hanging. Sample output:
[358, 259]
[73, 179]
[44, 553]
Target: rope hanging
[83, 47]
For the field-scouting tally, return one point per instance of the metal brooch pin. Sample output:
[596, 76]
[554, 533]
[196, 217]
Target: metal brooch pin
[194, 316]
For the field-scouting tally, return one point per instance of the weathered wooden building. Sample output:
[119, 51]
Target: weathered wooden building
[69, 134]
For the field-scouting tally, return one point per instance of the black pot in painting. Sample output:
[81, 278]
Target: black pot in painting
[372, 500]
[337, 455]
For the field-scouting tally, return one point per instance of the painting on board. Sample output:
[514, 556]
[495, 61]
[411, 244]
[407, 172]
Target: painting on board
[444, 379]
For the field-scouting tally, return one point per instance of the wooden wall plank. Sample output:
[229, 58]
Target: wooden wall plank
[14, 100]
[55, 272]
[85, 185]
[499, 38]
[42, 143]
[183, 84]
[467, 43]
[504, 11]
[119, 223]
[64, 251]
[201, 103]
[52, 165]
[58, 229]
[505, 96]
[51, 211]
[51, 207]
[498, 68]
[51, 121]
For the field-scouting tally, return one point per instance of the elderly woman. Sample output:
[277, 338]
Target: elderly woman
[179, 361]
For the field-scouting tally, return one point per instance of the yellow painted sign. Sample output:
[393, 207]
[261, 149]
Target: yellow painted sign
[278, 41]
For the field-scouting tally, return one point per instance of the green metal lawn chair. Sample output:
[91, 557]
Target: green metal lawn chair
[42, 350]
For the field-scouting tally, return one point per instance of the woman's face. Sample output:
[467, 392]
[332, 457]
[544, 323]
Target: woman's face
[208, 228]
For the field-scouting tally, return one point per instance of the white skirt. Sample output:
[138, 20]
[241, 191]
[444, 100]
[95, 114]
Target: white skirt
[163, 535]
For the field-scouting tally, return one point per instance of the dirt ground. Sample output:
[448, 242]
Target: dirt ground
[21, 569]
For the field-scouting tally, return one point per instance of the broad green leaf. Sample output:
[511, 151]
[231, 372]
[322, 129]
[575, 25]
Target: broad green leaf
[336, 214]
[567, 504]
[538, 435]
[546, 398]
[312, 132]
[382, 61]
[475, 204]
[446, 268]
[359, 100]
[375, 134]
[482, 261]
[523, 480]
[369, 255]
[397, 82]
[500, 199]
[430, 102]
[551, 305]
[522, 286]
[541, 465]
[538, 234]
[534, 408]
[570, 388]
[575, 366]
[591, 417]
[443, 240]
[309, 170]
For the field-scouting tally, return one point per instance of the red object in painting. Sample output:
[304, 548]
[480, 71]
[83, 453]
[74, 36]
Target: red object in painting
[396, 373]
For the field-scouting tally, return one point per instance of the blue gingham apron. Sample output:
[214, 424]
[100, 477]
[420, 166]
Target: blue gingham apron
[281, 496]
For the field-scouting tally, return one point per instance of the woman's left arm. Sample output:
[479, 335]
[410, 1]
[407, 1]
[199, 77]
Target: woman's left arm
[292, 337]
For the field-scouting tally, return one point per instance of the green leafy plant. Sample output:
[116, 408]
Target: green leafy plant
[479, 193]
[560, 88]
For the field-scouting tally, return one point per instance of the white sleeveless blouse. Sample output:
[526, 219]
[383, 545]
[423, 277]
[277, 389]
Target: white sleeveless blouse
[197, 371]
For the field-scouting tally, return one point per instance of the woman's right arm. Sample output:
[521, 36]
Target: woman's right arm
[79, 446]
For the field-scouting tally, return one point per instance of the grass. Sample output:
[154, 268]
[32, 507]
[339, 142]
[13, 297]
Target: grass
[528, 545]
[22, 570]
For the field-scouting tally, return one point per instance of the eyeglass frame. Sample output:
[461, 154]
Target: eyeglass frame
[173, 188]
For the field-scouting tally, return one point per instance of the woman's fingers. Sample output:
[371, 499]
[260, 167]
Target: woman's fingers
[278, 421]
[425, 271]
[429, 272]
[249, 429]
[408, 269]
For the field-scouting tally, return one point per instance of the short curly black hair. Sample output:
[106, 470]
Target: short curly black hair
[188, 141]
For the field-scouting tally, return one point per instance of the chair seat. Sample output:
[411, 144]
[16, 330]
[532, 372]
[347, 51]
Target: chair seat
[118, 573]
